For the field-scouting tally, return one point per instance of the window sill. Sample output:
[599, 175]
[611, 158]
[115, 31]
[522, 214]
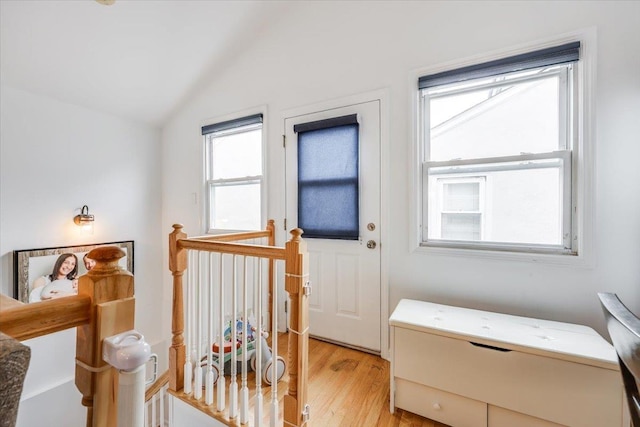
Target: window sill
[560, 259]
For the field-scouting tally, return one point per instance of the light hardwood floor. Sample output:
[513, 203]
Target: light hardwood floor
[351, 388]
[347, 388]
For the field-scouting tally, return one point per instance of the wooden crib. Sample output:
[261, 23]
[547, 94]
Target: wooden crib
[225, 292]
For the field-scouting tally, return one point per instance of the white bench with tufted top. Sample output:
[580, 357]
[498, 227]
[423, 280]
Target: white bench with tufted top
[465, 367]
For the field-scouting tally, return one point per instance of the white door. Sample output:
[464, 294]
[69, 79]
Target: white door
[344, 272]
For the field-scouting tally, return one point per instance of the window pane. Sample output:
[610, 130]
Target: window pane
[522, 203]
[503, 120]
[237, 155]
[527, 206]
[330, 153]
[461, 226]
[329, 210]
[235, 207]
[460, 197]
[328, 182]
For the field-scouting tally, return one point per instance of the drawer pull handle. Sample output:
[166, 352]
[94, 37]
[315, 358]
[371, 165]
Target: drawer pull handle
[437, 406]
[490, 347]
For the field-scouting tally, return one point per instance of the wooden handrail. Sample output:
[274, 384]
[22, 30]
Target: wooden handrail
[156, 386]
[232, 248]
[232, 237]
[8, 302]
[27, 321]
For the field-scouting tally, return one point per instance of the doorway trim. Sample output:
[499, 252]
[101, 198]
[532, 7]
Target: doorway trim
[381, 95]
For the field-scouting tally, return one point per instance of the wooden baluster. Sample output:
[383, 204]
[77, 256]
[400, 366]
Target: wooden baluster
[110, 288]
[296, 277]
[177, 265]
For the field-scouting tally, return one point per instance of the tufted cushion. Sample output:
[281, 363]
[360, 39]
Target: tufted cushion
[14, 361]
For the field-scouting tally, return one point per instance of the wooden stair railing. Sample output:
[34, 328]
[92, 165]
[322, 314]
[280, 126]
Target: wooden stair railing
[294, 254]
[26, 321]
[154, 398]
[103, 307]
[156, 386]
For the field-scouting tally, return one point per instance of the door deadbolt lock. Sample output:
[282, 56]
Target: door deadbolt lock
[371, 244]
[371, 226]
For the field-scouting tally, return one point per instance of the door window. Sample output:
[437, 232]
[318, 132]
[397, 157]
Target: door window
[328, 195]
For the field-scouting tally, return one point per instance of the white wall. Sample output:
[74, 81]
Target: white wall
[326, 50]
[56, 157]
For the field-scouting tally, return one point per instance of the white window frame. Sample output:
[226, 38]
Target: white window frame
[582, 163]
[209, 182]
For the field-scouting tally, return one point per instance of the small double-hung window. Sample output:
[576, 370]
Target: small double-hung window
[234, 178]
[497, 144]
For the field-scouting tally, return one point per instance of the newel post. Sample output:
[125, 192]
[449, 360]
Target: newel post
[297, 285]
[177, 265]
[112, 311]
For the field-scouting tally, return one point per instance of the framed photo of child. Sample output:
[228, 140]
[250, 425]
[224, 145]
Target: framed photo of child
[49, 273]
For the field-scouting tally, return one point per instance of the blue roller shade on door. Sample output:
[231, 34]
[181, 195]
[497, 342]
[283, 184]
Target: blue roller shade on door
[328, 187]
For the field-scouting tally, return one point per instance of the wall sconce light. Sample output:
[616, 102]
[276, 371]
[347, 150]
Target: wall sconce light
[84, 220]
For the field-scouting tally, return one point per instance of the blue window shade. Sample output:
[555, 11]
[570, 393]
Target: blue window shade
[328, 186]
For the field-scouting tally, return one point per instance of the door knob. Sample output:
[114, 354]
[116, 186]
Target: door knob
[371, 244]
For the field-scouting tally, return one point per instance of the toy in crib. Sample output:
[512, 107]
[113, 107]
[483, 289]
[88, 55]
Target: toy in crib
[267, 364]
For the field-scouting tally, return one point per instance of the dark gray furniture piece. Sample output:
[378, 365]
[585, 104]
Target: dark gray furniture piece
[14, 362]
[624, 329]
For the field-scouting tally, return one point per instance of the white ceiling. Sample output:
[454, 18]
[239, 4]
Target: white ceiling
[138, 59]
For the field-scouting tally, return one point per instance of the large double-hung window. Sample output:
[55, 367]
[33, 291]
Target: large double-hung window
[497, 144]
[234, 178]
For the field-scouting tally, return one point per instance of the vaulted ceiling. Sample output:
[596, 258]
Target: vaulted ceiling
[138, 59]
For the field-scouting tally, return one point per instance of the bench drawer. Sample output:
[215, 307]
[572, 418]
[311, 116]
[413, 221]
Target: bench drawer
[438, 405]
[500, 417]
